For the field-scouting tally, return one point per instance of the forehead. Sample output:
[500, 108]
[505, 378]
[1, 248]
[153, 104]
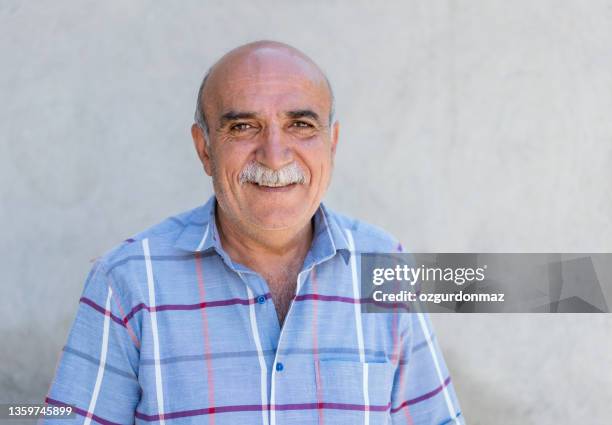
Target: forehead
[270, 93]
[267, 81]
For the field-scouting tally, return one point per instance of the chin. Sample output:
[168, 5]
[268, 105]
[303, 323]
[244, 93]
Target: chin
[275, 219]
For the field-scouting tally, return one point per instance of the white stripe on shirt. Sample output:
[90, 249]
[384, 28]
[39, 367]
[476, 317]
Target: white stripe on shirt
[201, 244]
[102, 365]
[359, 325]
[262, 363]
[153, 314]
[427, 334]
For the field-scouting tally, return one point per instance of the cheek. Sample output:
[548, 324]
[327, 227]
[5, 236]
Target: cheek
[230, 161]
[327, 167]
[317, 158]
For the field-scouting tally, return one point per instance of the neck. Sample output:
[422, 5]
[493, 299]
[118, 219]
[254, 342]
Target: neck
[261, 250]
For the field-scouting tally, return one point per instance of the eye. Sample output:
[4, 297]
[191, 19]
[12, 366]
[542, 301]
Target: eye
[301, 124]
[242, 126]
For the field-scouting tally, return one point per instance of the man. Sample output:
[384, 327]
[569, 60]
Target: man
[246, 310]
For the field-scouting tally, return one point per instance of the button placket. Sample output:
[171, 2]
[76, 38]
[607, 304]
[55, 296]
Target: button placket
[265, 311]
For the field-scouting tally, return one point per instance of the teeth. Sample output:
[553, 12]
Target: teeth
[272, 185]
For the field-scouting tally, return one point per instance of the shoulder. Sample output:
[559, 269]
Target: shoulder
[366, 237]
[122, 264]
[161, 235]
[160, 238]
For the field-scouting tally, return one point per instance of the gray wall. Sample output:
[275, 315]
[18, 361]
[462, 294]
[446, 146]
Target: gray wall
[466, 126]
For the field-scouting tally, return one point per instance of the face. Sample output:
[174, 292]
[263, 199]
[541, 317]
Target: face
[270, 113]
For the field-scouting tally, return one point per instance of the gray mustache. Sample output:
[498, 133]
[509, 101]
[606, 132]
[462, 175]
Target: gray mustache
[254, 172]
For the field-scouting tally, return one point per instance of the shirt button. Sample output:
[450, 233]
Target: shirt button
[261, 299]
[279, 367]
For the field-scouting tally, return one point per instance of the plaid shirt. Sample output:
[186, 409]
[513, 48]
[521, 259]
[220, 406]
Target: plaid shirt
[170, 330]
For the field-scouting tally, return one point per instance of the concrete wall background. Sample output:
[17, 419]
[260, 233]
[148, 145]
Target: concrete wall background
[466, 126]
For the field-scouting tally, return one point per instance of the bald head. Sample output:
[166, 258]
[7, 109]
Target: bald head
[256, 62]
[265, 133]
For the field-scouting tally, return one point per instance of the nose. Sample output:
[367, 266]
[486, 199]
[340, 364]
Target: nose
[274, 151]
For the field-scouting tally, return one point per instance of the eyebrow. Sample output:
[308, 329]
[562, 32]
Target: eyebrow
[303, 113]
[242, 115]
[235, 115]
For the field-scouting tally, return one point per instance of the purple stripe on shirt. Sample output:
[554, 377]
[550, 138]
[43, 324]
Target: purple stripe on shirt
[423, 397]
[80, 411]
[350, 300]
[196, 306]
[233, 301]
[320, 297]
[333, 406]
[101, 309]
[259, 407]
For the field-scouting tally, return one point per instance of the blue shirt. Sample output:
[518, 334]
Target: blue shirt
[170, 330]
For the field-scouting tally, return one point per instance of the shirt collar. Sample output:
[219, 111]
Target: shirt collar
[200, 234]
[197, 235]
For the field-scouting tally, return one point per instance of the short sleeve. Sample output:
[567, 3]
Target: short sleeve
[423, 392]
[97, 372]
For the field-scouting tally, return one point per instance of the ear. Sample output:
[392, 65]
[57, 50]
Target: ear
[334, 137]
[199, 142]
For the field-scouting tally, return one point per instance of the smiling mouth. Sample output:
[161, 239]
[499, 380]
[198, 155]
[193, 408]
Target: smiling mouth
[273, 188]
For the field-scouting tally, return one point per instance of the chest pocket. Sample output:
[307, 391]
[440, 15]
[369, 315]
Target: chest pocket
[348, 389]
